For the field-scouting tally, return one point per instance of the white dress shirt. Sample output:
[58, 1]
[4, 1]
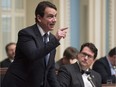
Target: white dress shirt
[86, 81]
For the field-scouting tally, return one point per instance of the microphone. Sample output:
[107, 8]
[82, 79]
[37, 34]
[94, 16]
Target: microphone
[90, 79]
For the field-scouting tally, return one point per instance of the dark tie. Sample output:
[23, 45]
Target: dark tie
[45, 36]
[45, 39]
[83, 71]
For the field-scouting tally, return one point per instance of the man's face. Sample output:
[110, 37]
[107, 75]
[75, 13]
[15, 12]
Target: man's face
[47, 22]
[86, 58]
[11, 51]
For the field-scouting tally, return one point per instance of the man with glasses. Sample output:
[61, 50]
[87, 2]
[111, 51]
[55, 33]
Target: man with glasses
[79, 74]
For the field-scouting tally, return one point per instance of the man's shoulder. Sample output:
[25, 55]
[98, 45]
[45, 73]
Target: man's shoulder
[71, 67]
[93, 71]
[29, 30]
[5, 63]
[5, 60]
[58, 63]
[100, 63]
[101, 59]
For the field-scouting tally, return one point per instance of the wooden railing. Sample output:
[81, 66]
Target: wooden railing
[108, 85]
[3, 71]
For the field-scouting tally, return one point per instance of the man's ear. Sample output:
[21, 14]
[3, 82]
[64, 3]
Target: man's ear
[39, 18]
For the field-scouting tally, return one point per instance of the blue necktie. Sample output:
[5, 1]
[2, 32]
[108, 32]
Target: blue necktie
[45, 39]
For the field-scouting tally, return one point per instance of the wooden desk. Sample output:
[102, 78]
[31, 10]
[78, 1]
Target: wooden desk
[108, 85]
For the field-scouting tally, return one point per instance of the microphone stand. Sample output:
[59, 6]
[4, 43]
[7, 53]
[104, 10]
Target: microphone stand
[90, 79]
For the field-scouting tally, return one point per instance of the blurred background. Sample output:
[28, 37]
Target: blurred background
[87, 21]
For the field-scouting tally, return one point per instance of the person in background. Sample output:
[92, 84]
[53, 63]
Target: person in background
[69, 57]
[10, 51]
[79, 74]
[106, 66]
[34, 64]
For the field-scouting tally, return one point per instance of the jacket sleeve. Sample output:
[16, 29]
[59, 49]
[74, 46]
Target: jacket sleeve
[27, 44]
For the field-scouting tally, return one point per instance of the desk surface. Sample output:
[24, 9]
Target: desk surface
[108, 85]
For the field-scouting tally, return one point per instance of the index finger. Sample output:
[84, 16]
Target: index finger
[64, 28]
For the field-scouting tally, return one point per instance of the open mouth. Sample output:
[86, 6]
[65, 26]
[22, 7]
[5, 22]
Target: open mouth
[52, 25]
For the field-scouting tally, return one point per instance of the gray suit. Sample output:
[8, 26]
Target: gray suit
[70, 76]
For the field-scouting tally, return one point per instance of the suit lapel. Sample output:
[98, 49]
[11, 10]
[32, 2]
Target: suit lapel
[38, 40]
[93, 77]
[78, 74]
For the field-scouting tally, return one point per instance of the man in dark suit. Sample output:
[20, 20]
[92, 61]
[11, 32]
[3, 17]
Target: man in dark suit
[10, 51]
[106, 66]
[34, 64]
[80, 74]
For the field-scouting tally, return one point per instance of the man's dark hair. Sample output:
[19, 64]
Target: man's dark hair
[9, 44]
[92, 47]
[42, 6]
[112, 52]
[70, 52]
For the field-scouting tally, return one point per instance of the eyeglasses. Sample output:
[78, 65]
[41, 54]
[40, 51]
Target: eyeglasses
[82, 54]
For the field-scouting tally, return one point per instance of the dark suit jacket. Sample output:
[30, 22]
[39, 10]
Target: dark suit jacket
[103, 68]
[28, 68]
[5, 63]
[70, 76]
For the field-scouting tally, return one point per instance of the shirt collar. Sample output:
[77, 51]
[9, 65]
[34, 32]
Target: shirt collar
[80, 66]
[109, 61]
[11, 60]
[42, 32]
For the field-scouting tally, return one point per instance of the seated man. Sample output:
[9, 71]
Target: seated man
[10, 51]
[79, 74]
[69, 57]
[106, 66]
